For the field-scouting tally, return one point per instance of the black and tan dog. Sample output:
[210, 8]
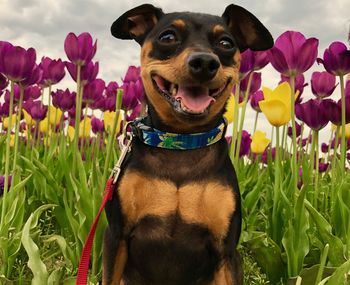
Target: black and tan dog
[175, 216]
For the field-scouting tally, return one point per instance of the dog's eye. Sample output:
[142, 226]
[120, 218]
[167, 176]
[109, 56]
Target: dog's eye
[225, 43]
[168, 37]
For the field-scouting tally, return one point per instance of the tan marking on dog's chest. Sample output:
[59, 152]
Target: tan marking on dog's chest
[207, 203]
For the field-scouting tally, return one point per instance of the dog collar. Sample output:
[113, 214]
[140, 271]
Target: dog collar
[156, 138]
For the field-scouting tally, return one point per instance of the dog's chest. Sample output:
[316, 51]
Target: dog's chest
[206, 203]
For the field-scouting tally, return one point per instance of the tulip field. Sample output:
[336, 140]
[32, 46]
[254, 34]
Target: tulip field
[58, 146]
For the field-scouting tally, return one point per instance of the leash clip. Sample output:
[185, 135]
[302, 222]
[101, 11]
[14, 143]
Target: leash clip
[125, 149]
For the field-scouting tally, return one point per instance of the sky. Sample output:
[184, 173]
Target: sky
[45, 24]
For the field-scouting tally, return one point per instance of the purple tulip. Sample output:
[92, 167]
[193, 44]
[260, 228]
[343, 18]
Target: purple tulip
[322, 167]
[293, 54]
[322, 84]
[35, 109]
[34, 77]
[53, 71]
[255, 99]
[334, 111]
[30, 92]
[245, 144]
[297, 128]
[313, 113]
[303, 141]
[97, 125]
[93, 91]
[265, 155]
[2, 183]
[347, 89]
[3, 82]
[16, 62]
[111, 89]
[63, 100]
[135, 113]
[5, 109]
[254, 86]
[133, 93]
[88, 72]
[299, 85]
[80, 49]
[336, 59]
[324, 147]
[132, 74]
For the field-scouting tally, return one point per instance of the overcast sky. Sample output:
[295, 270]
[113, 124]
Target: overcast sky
[44, 24]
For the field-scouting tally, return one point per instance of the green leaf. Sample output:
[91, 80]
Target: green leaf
[268, 256]
[336, 247]
[35, 263]
[341, 275]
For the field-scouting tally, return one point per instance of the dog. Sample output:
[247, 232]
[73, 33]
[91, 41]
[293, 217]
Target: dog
[175, 216]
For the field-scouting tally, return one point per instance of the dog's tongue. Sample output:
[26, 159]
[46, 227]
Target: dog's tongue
[196, 99]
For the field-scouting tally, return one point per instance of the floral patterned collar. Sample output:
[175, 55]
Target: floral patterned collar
[156, 138]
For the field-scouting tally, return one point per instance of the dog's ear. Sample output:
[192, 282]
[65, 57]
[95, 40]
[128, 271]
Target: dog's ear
[136, 23]
[247, 29]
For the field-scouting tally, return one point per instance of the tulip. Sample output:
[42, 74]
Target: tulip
[132, 74]
[53, 71]
[255, 99]
[28, 119]
[16, 62]
[276, 104]
[3, 82]
[333, 111]
[80, 49]
[245, 143]
[298, 130]
[313, 113]
[5, 109]
[230, 107]
[136, 112]
[252, 61]
[97, 126]
[34, 77]
[2, 183]
[265, 155]
[111, 89]
[259, 142]
[36, 110]
[336, 59]
[108, 119]
[324, 147]
[64, 100]
[299, 83]
[84, 129]
[253, 86]
[88, 71]
[293, 54]
[133, 93]
[93, 91]
[322, 84]
[5, 122]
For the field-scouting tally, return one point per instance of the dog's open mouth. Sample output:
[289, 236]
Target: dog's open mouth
[189, 99]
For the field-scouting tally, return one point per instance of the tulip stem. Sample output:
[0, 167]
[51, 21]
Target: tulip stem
[48, 124]
[19, 112]
[7, 160]
[315, 138]
[334, 168]
[343, 117]
[276, 190]
[241, 121]
[294, 135]
[255, 121]
[235, 124]
[111, 137]
[77, 116]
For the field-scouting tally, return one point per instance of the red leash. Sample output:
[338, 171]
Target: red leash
[83, 269]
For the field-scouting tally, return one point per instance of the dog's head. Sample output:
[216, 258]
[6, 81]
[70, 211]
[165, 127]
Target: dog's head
[190, 61]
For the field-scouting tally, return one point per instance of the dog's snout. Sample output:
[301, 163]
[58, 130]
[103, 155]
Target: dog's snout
[203, 66]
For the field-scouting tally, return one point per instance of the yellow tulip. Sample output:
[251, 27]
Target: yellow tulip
[6, 122]
[28, 119]
[43, 126]
[230, 109]
[259, 142]
[108, 118]
[347, 131]
[55, 116]
[84, 129]
[276, 104]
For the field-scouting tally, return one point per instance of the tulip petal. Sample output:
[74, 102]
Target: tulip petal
[277, 113]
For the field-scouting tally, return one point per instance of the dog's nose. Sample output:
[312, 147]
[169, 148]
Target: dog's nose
[203, 66]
